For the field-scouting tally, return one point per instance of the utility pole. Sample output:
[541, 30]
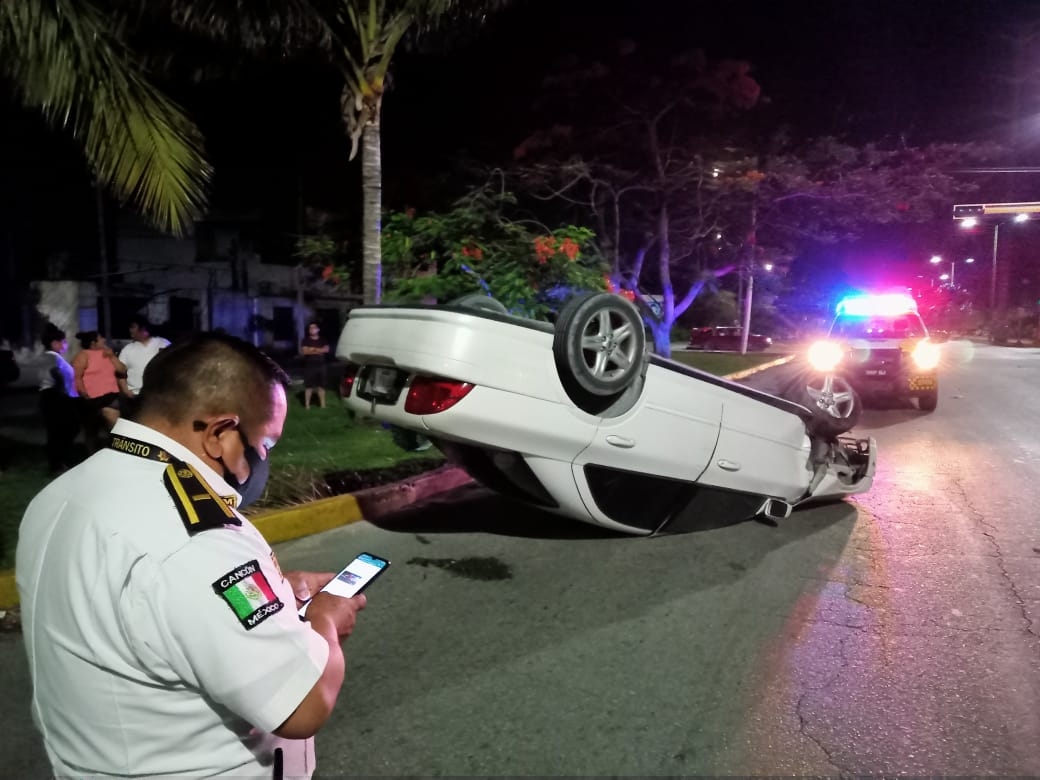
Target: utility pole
[993, 273]
[752, 241]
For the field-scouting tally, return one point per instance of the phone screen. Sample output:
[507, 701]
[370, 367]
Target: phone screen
[353, 579]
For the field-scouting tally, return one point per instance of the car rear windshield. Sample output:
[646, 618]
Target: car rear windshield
[901, 327]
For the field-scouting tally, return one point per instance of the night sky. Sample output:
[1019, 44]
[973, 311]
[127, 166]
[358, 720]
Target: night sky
[922, 69]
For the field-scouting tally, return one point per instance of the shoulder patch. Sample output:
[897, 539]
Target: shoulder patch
[200, 508]
[246, 590]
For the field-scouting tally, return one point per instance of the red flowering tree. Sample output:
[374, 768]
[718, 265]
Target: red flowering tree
[477, 247]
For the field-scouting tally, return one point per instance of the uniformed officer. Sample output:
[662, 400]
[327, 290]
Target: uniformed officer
[163, 639]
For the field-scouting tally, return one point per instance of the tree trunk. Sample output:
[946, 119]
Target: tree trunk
[105, 325]
[662, 333]
[371, 228]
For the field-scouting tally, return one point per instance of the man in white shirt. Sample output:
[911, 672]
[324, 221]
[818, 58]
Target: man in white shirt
[163, 638]
[138, 353]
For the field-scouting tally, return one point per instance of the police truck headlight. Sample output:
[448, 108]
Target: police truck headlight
[825, 356]
[926, 355]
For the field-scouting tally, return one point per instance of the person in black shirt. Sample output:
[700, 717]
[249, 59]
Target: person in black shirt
[314, 348]
[58, 400]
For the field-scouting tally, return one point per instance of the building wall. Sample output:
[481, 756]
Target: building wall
[232, 288]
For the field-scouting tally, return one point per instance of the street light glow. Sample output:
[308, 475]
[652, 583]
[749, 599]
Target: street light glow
[970, 222]
[935, 259]
[1021, 217]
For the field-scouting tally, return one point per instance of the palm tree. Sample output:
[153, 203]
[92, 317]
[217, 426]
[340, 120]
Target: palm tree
[70, 60]
[366, 34]
[359, 38]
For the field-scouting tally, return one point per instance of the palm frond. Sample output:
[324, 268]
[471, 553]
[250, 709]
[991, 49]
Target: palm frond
[66, 59]
[285, 26]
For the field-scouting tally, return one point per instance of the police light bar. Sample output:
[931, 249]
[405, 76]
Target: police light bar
[889, 304]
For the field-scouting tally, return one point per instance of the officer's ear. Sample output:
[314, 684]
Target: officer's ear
[213, 432]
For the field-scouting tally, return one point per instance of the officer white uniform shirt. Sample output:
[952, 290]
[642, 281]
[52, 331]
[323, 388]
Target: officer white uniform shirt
[156, 648]
[136, 355]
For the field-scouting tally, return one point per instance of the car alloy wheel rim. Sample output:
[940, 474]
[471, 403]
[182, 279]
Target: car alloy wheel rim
[608, 344]
[834, 397]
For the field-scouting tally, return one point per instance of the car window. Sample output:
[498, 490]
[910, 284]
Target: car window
[899, 327]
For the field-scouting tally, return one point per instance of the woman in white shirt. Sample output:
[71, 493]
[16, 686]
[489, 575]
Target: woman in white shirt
[58, 400]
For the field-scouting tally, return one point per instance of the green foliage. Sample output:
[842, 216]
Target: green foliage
[318, 442]
[476, 246]
[69, 61]
[723, 363]
[324, 258]
[321, 249]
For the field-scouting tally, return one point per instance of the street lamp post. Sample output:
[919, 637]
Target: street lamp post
[993, 272]
[952, 276]
[970, 214]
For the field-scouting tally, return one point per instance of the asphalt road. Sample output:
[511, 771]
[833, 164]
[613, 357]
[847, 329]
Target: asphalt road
[893, 634]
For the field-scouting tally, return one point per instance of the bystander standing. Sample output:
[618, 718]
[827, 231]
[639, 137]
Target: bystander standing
[136, 355]
[314, 348]
[58, 399]
[98, 372]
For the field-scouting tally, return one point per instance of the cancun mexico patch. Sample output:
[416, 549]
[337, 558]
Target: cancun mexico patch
[249, 594]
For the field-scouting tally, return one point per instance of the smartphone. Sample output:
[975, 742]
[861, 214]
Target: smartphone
[354, 578]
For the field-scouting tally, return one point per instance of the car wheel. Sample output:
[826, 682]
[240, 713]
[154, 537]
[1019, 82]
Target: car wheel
[409, 441]
[600, 344]
[480, 301]
[928, 400]
[835, 405]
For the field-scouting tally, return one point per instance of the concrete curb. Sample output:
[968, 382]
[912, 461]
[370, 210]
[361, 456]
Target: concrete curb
[754, 370]
[282, 525]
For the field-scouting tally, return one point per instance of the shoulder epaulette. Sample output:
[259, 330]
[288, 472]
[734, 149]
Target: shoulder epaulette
[201, 509]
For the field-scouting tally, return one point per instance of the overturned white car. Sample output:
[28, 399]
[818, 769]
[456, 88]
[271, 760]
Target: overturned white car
[577, 418]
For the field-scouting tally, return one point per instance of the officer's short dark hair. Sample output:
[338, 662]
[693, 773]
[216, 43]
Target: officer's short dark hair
[209, 374]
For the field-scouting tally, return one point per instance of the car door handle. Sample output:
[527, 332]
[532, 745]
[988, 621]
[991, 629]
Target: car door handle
[620, 441]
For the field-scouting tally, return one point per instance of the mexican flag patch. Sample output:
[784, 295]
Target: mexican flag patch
[249, 594]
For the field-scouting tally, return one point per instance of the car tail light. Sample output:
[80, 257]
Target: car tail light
[431, 394]
[825, 356]
[926, 355]
[349, 375]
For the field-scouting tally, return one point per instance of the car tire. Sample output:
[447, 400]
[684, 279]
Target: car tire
[409, 441]
[600, 345]
[928, 400]
[835, 405]
[481, 302]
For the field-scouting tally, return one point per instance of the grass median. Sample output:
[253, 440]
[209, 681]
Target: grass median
[322, 452]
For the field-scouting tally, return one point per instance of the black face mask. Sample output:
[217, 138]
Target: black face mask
[253, 486]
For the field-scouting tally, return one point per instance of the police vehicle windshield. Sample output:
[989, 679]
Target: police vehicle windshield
[904, 326]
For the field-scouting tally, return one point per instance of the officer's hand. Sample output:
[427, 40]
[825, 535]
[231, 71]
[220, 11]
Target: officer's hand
[306, 583]
[341, 612]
